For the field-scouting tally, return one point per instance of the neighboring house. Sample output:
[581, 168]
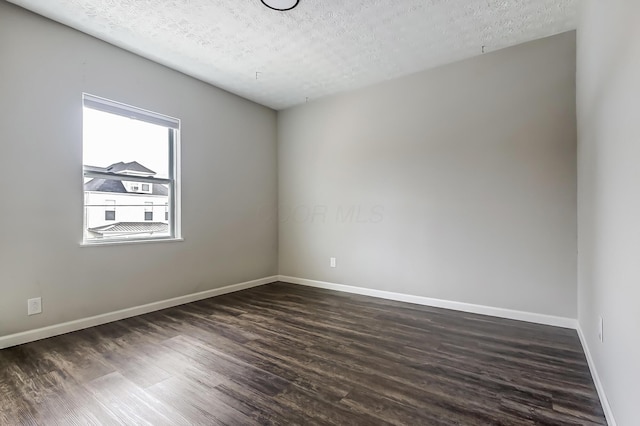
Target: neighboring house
[123, 208]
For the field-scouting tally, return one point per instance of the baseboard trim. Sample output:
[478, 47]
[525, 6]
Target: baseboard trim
[608, 413]
[67, 327]
[440, 303]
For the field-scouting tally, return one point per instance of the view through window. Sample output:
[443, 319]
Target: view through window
[130, 172]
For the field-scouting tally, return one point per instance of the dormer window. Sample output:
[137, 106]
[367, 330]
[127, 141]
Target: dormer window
[138, 187]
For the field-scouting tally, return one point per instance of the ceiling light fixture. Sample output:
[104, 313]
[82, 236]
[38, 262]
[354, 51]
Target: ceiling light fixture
[280, 5]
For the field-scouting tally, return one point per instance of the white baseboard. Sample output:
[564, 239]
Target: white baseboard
[439, 303]
[608, 413]
[67, 327]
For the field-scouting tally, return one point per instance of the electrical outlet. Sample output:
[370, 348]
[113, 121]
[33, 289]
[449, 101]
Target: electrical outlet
[601, 330]
[34, 306]
[332, 262]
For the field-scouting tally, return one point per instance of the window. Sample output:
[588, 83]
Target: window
[130, 159]
[110, 210]
[148, 210]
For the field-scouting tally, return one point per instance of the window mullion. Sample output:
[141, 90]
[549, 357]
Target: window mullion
[172, 189]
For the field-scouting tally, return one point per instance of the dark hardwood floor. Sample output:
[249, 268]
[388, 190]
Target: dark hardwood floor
[285, 354]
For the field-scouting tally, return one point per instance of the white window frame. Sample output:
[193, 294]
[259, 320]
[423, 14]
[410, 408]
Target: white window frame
[173, 180]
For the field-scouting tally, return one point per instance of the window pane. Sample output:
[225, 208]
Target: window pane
[148, 210]
[123, 208]
[110, 210]
[110, 140]
[133, 216]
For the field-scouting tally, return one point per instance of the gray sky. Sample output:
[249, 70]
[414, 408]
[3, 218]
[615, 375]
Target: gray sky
[110, 138]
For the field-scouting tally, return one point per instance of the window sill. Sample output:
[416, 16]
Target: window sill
[132, 241]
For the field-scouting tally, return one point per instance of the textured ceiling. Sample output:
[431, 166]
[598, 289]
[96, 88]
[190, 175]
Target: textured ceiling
[319, 48]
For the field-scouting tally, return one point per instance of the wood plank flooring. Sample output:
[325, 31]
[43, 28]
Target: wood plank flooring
[285, 354]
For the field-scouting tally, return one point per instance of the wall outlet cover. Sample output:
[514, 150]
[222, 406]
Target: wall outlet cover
[34, 306]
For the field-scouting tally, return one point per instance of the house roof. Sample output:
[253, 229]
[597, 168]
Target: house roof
[105, 185]
[112, 185]
[132, 166]
[95, 169]
[131, 228]
[115, 185]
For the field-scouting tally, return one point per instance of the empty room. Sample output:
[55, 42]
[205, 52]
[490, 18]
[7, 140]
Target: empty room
[320, 212]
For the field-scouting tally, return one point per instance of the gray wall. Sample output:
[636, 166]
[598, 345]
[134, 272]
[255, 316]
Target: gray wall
[609, 197]
[460, 181]
[228, 168]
